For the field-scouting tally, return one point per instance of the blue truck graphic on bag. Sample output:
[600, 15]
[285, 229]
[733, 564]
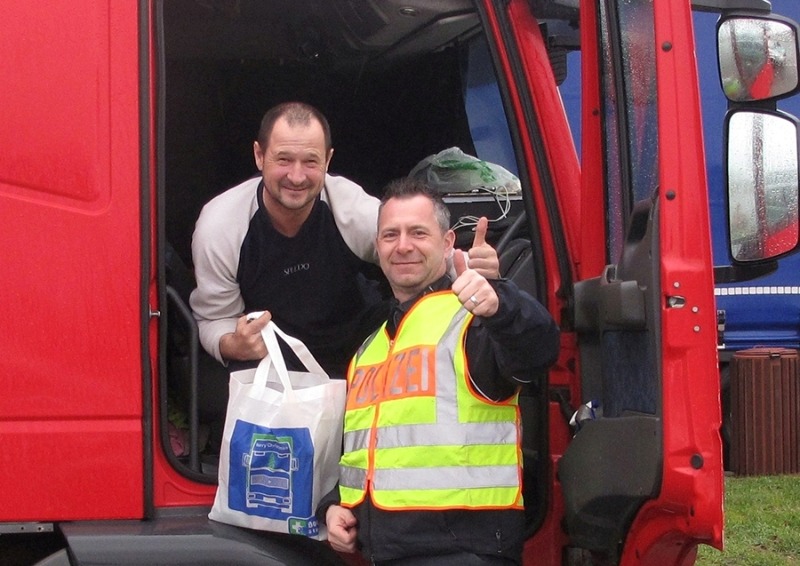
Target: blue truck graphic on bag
[269, 472]
[271, 475]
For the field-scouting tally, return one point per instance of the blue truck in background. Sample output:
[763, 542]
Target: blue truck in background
[764, 311]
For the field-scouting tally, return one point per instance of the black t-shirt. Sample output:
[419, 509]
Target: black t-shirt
[315, 287]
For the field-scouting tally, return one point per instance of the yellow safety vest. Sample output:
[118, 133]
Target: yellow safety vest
[416, 433]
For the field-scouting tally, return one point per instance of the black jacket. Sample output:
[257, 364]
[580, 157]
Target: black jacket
[503, 351]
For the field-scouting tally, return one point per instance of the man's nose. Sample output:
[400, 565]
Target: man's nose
[404, 242]
[296, 173]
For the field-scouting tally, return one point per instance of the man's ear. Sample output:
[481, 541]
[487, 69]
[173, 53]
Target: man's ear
[258, 155]
[449, 242]
[328, 159]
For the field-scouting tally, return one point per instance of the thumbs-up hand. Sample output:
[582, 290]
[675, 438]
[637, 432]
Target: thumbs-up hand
[472, 288]
[483, 257]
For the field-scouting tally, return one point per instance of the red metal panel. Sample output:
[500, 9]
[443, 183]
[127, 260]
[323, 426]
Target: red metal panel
[70, 354]
[689, 507]
[765, 409]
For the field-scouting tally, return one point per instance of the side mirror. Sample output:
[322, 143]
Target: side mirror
[757, 57]
[762, 167]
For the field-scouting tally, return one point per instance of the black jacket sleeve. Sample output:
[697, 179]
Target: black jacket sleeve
[513, 346]
[330, 498]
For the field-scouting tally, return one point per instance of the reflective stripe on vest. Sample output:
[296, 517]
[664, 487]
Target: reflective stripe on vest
[414, 428]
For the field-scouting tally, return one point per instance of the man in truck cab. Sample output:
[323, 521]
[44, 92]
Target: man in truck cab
[297, 243]
[431, 470]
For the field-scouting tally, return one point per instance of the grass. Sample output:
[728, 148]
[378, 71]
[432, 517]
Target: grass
[762, 523]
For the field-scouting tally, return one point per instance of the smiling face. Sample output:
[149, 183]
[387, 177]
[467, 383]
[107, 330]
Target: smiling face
[293, 166]
[411, 245]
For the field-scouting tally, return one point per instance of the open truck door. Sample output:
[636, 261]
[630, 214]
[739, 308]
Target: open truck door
[639, 466]
[642, 478]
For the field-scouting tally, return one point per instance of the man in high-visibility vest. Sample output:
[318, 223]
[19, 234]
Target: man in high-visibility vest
[432, 464]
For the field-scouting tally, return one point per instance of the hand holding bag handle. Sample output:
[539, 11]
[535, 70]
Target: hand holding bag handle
[275, 357]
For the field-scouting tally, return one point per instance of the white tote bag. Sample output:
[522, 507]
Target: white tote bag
[281, 443]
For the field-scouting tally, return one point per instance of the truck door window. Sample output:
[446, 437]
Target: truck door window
[631, 155]
[631, 119]
[487, 119]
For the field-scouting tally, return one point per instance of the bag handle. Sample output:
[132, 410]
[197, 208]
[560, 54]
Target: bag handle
[301, 351]
[275, 358]
[297, 346]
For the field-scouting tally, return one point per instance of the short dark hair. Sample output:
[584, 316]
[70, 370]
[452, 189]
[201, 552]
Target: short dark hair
[407, 187]
[296, 113]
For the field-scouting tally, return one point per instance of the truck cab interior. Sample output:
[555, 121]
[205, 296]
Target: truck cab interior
[398, 82]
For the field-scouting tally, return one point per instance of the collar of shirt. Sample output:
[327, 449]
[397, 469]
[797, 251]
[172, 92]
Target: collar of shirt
[398, 310]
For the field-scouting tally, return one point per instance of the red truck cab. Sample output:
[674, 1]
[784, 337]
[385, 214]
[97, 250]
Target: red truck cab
[121, 119]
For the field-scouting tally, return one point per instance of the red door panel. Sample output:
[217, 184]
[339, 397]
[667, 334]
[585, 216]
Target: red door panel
[70, 365]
